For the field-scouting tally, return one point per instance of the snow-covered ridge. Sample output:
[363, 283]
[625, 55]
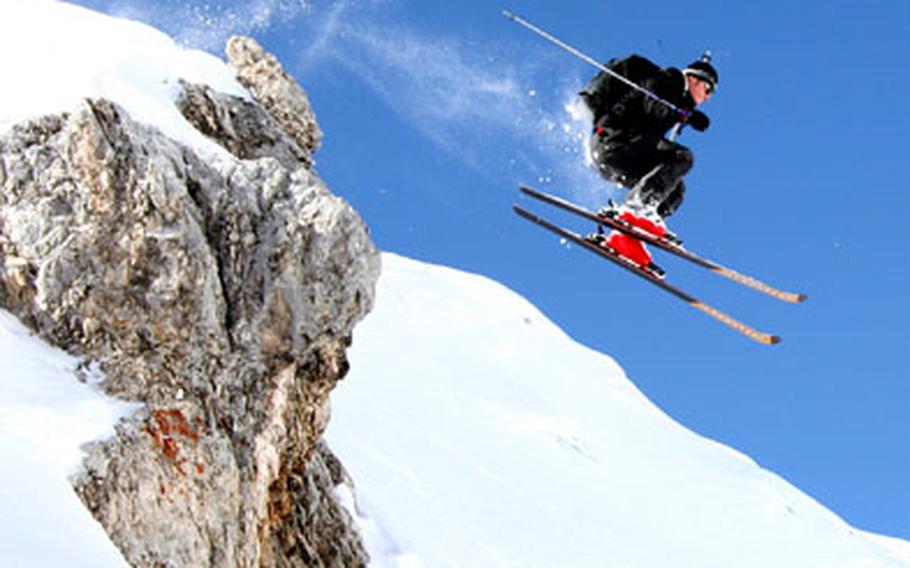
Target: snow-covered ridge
[57, 54]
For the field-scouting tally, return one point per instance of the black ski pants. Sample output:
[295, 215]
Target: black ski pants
[626, 159]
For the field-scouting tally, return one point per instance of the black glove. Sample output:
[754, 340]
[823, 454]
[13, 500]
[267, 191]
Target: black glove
[698, 120]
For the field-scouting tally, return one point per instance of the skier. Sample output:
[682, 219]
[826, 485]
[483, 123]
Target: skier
[629, 145]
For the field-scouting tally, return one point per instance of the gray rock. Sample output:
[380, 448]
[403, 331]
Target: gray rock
[243, 128]
[221, 292]
[275, 90]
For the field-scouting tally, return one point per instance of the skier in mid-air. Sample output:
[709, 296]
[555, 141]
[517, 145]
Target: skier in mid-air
[630, 144]
[635, 104]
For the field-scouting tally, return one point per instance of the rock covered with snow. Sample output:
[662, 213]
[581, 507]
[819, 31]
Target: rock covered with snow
[218, 288]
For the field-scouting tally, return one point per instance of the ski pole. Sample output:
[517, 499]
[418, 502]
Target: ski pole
[584, 57]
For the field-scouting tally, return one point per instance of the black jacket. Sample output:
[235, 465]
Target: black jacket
[631, 112]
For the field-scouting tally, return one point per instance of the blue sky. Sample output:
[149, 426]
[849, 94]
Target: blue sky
[433, 112]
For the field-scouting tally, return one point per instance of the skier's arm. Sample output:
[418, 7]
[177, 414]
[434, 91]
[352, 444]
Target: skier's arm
[660, 84]
[664, 84]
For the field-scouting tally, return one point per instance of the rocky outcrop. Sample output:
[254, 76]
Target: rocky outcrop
[241, 127]
[277, 91]
[221, 292]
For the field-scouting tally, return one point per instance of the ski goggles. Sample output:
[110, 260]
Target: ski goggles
[710, 86]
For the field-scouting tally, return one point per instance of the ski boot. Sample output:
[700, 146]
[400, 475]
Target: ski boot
[641, 216]
[630, 249]
[627, 246]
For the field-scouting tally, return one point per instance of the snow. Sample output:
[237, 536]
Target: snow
[46, 414]
[477, 432]
[62, 53]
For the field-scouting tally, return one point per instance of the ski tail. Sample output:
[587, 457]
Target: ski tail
[744, 329]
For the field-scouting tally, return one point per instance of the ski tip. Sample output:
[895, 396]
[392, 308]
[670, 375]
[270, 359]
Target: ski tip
[790, 297]
[761, 337]
[750, 332]
[755, 284]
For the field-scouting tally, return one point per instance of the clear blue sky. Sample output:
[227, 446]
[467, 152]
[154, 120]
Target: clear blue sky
[433, 111]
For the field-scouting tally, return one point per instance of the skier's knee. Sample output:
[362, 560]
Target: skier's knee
[673, 201]
[685, 159]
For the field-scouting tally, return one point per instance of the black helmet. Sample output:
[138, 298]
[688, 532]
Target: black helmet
[703, 70]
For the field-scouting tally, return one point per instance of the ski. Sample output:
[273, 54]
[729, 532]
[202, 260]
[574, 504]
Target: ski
[668, 245]
[619, 260]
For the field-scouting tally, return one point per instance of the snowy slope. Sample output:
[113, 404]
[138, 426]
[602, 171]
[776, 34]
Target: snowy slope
[479, 434]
